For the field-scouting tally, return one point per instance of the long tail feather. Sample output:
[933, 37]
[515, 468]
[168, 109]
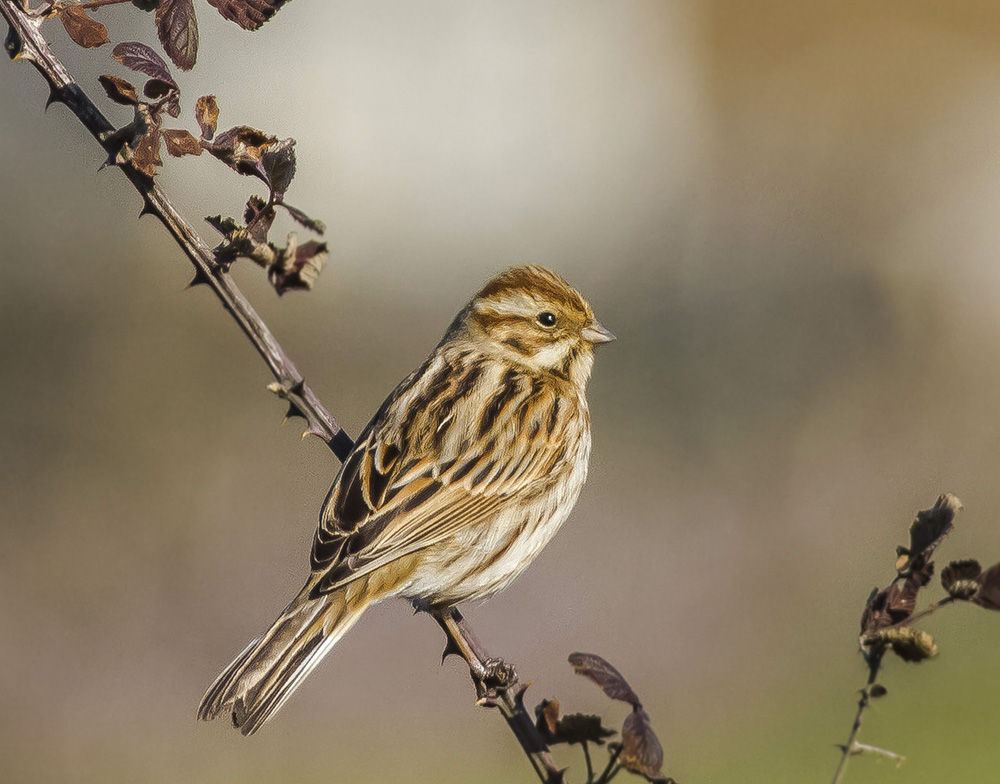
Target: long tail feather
[268, 670]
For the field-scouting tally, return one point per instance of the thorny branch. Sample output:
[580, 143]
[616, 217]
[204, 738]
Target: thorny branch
[497, 685]
[25, 42]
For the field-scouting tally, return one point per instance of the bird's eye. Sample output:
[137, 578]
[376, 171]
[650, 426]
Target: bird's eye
[547, 319]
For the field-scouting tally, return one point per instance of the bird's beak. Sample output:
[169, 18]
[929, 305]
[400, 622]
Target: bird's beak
[596, 333]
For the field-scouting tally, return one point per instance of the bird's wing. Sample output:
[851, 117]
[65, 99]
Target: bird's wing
[407, 487]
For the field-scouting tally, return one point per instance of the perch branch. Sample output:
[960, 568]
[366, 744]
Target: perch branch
[25, 42]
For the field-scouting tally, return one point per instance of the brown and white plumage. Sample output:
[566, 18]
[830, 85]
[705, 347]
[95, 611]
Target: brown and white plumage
[462, 476]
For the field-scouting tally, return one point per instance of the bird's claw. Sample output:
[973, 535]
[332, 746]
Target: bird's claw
[495, 679]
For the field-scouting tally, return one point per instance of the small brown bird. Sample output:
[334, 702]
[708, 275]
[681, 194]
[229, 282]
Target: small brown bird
[460, 479]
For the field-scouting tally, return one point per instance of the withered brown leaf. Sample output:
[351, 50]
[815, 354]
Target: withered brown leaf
[547, 717]
[177, 29]
[143, 59]
[895, 603]
[961, 578]
[581, 728]
[641, 749]
[298, 266]
[206, 112]
[85, 32]
[926, 533]
[989, 591]
[909, 644]
[601, 672]
[119, 90]
[248, 14]
[180, 142]
[242, 149]
[312, 224]
[146, 153]
[278, 162]
[258, 217]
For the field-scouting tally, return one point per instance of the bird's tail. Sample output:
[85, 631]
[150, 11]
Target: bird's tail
[271, 667]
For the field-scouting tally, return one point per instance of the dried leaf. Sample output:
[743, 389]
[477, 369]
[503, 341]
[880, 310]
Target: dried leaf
[641, 749]
[85, 32]
[909, 644]
[143, 59]
[592, 666]
[180, 142]
[278, 161]
[146, 153]
[206, 112]
[242, 149]
[581, 728]
[547, 717]
[258, 217]
[298, 266]
[177, 29]
[248, 14]
[926, 532]
[961, 578]
[310, 223]
[157, 88]
[119, 90]
[894, 604]
[989, 591]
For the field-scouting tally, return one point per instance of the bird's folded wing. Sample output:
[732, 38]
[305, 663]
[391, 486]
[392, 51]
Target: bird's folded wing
[382, 509]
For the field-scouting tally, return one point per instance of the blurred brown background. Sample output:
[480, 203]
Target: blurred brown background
[787, 212]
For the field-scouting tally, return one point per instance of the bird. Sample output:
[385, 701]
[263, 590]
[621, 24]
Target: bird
[462, 476]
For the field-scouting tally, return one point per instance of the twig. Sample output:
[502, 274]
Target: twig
[864, 748]
[873, 657]
[610, 771]
[25, 42]
[99, 3]
[925, 612]
[509, 698]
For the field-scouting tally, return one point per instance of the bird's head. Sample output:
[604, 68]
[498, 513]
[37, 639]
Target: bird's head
[532, 317]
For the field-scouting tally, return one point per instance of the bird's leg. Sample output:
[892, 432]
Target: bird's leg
[491, 676]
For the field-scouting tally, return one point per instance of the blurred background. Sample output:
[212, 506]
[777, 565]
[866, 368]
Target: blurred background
[787, 213]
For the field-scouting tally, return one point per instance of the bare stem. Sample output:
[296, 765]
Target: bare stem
[590, 765]
[930, 608]
[873, 657]
[464, 642]
[25, 42]
[610, 771]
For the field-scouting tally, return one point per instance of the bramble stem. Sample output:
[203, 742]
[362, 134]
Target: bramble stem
[463, 641]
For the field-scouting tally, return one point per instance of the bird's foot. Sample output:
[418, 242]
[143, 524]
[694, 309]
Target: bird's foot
[495, 679]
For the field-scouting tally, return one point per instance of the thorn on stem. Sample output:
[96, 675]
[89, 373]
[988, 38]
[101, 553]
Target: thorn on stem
[200, 278]
[450, 649]
[55, 96]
